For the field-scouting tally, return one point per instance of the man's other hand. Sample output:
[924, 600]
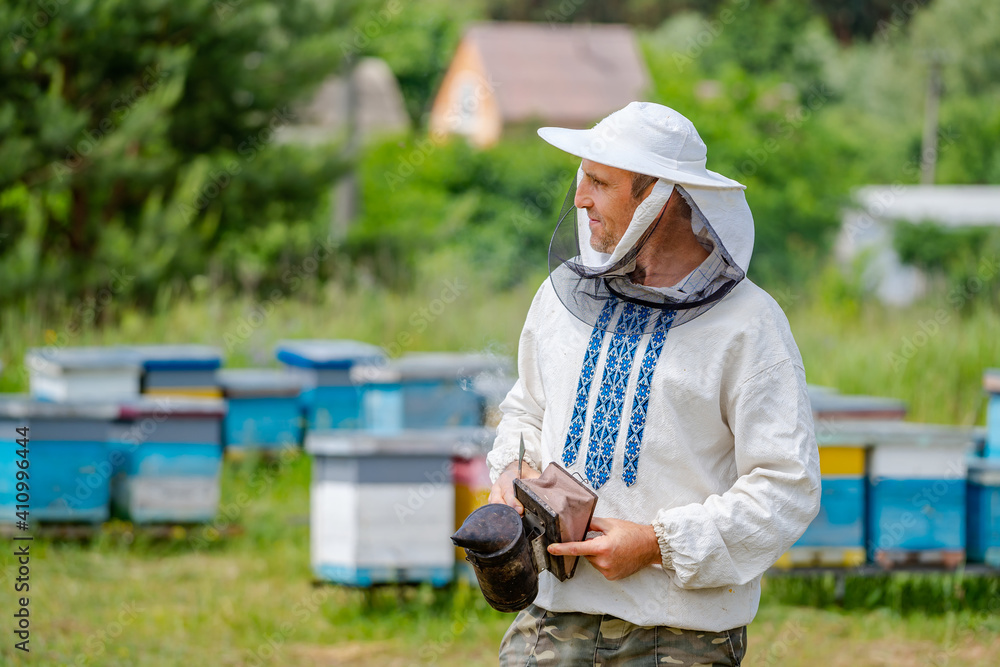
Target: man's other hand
[623, 549]
[503, 491]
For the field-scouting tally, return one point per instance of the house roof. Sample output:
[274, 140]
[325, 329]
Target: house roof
[951, 205]
[571, 73]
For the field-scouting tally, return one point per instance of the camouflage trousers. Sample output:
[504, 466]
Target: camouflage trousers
[541, 637]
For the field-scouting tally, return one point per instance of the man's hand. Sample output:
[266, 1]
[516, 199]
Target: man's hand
[503, 491]
[622, 550]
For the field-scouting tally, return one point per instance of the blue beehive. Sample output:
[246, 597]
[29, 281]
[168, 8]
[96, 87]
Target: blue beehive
[179, 370]
[62, 374]
[916, 510]
[264, 408]
[424, 390]
[69, 474]
[836, 537]
[167, 456]
[983, 505]
[991, 383]
[330, 397]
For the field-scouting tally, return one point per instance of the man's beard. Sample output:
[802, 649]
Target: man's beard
[603, 241]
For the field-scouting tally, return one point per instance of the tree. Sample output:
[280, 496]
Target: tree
[139, 139]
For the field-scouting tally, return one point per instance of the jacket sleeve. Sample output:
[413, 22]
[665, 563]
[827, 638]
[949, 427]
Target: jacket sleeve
[734, 537]
[523, 408]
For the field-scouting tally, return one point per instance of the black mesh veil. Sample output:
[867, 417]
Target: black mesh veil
[595, 294]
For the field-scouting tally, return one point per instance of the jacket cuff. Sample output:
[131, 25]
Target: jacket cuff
[663, 538]
[498, 460]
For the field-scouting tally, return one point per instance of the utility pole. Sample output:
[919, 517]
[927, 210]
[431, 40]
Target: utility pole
[346, 195]
[928, 147]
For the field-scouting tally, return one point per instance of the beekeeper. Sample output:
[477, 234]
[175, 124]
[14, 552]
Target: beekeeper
[650, 365]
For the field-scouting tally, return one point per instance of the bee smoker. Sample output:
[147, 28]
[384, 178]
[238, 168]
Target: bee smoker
[508, 551]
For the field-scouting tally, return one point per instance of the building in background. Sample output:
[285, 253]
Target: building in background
[868, 228]
[510, 74]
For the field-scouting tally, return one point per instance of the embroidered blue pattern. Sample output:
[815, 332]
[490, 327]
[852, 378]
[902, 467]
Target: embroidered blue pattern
[572, 446]
[611, 400]
[640, 401]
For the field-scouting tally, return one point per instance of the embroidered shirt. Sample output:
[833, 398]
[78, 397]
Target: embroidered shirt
[704, 431]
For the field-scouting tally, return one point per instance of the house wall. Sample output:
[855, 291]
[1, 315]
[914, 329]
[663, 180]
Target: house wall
[465, 103]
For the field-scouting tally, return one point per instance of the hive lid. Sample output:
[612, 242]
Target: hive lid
[23, 406]
[269, 381]
[178, 357]
[830, 404]
[327, 353]
[463, 442]
[60, 360]
[169, 407]
[384, 373]
[991, 380]
[449, 365]
[872, 433]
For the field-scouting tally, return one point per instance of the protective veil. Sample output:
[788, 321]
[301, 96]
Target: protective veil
[654, 140]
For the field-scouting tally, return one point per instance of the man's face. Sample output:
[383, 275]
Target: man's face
[606, 193]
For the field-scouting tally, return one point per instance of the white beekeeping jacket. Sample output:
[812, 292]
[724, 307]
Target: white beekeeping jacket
[703, 431]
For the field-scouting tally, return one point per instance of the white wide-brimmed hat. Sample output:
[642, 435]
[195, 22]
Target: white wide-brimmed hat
[644, 138]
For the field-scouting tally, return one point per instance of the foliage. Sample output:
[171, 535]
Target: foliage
[139, 153]
[139, 139]
[434, 205]
[417, 40]
[903, 592]
[966, 258]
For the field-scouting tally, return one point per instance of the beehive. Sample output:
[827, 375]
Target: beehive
[836, 537]
[69, 474]
[264, 408]
[983, 505]
[916, 487]
[70, 374]
[991, 384]
[179, 370]
[167, 456]
[330, 398]
[383, 506]
[427, 390]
